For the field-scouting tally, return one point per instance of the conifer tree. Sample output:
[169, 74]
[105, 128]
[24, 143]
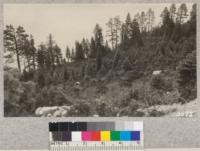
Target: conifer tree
[67, 54]
[15, 42]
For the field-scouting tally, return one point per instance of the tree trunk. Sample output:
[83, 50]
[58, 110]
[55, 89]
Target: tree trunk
[18, 61]
[34, 61]
[17, 54]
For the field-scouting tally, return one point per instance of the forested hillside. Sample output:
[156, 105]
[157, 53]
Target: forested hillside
[136, 66]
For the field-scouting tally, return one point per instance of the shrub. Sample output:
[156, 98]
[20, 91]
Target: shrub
[90, 70]
[51, 96]
[65, 74]
[155, 113]
[12, 92]
[157, 82]
[131, 109]
[102, 71]
[41, 80]
[162, 82]
[80, 108]
[127, 99]
[101, 88]
[187, 76]
[126, 65]
[27, 75]
[103, 108]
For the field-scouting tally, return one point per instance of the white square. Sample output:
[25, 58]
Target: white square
[138, 126]
[50, 136]
[128, 125]
[76, 136]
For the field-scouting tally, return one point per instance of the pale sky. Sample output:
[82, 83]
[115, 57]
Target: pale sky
[70, 22]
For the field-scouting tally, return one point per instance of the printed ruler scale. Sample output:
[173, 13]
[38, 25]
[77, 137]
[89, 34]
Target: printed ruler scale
[96, 136]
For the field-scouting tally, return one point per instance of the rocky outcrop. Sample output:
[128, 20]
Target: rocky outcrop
[53, 111]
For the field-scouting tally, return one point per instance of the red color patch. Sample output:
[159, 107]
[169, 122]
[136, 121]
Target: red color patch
[95, 136]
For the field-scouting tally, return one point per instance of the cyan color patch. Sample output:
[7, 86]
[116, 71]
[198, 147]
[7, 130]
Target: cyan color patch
[125, 135]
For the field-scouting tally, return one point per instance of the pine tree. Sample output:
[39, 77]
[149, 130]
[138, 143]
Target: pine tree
[168, 24]
[85, 45]
[15, 41]
[135, 34]
[150, 19]
[79, 54]
[41, 56]
[137, 17]
[50, 52]
[29, 51]
[193, 18]
[67, 54]
[117, 29]
[72, 55]
[128, 25]
[124, 37]
[33, 51]
[182, 13]
[57, 55]
[110, 32]
[93, 48]
[98, 36]
[99, 45]
[172, 11]
[142, 22]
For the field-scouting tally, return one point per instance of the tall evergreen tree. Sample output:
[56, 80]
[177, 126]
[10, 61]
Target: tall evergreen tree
[50, 52]
[168, 24]
[98, 36]
[79, 54]
[85, 46]
[67, 54]
[172, 11]
[143, 20]
[29, 52]
[135, 34]
[124, 37]
[150, 19]
[99, 45]
[15, 42]
[73, 55]
[193, 18]
[128, 25]
[33, 51]
[182, 13]
[110, 32]
[58, 55]
[93, 48]
[117, 29]
[41, 56]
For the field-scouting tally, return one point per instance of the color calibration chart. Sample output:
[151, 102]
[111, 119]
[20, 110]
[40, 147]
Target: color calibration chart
[96, 136]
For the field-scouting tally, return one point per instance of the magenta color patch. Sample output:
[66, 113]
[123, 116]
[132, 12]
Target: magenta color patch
[86, 136]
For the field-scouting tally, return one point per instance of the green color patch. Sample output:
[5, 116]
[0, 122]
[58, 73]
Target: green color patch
[115, 135]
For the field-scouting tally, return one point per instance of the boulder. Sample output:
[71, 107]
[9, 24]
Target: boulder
[55, 111]
[156, 72]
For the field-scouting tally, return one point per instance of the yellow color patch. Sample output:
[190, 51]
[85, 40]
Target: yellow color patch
[105, 135]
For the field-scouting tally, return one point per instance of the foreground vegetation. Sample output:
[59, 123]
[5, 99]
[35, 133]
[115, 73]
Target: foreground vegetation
[95, 78]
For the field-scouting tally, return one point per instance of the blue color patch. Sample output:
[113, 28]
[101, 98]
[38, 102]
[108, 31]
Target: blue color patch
[135, 135]
[125, 135]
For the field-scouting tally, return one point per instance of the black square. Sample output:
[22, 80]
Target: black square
[63, 126]
[53, 127]
[82, 126]
[73, 126]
